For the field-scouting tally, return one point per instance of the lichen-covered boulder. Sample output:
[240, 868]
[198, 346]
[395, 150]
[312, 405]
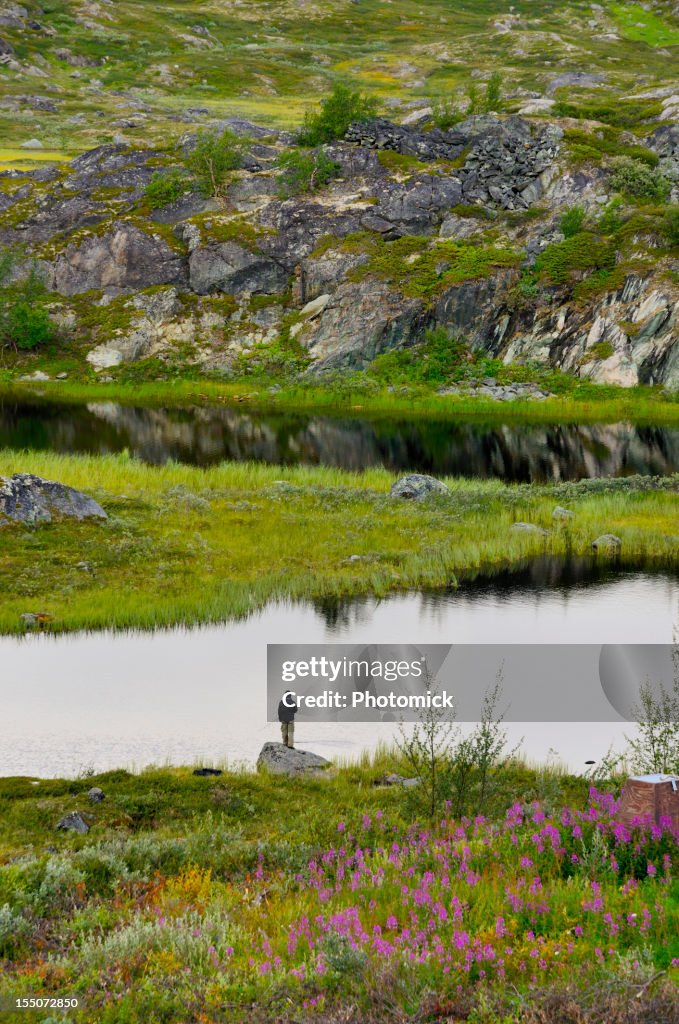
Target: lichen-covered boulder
[72, 822]
[416, 486]
[25, 498]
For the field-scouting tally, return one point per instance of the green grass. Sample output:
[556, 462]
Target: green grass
[644, 26]
[28, 159]
[575, 401]
[188, 545]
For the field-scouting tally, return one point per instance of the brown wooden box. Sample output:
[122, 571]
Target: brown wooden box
[650, 797]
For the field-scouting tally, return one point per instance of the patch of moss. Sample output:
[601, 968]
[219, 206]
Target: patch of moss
[104, 321]
[615, 111]
[593, 147]
[474, 211]
[214, 228]
[421, 268]
[264, 301]
[401, 162]
[610, 280]
[601, 350]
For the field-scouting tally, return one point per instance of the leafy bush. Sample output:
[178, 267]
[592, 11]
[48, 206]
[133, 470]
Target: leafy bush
[58, 889]
[465, 770]
[24, 319]
[338, 110]
[572, 221]
[493, 97]
[473, 100]
[670, 225]
[213, 157]
[438, 359]
[165, 187]
[611, 220]
[446, 113]
[638, 180]
[303, 170]
[13, 930]
[584, 251]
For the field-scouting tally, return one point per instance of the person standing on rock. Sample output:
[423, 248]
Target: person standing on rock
[287, 709]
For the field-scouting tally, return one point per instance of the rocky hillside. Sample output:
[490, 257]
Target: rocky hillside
[535, 241]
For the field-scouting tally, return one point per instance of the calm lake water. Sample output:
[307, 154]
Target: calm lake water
[205, 435]
[105, 700]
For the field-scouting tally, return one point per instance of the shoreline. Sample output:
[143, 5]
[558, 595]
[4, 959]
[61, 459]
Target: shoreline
[642, 405]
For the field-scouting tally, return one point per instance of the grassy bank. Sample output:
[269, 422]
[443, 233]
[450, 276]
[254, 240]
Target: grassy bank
[582, 403]
[264, 899]
[189, 545]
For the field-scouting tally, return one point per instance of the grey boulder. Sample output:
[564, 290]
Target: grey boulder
[416, 486]
[72, 823]
[25, 498]
[529, 528]
[281, 760]
[607, 542]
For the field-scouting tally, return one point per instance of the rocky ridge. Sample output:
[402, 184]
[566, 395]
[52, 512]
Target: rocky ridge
[422, 229]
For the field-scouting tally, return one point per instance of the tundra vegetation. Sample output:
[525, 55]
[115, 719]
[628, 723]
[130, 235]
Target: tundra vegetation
[189, 545]
[491, 892]
[197, 896]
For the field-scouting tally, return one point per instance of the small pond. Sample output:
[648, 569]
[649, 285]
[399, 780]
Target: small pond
[106, 700]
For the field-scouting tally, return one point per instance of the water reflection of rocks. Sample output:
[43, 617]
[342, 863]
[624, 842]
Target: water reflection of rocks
[530, 580]
[205, 435]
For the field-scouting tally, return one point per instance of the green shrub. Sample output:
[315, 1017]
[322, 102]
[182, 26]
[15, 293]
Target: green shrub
[213, 157]
[165, 187]
[25, 323]
[13, 931]
[338, 110]
[584, 251]
[670, 225]
[493, 98]
[572, 221]
[611, 220]
[446, 113]
[434, 361]
[637, 180]
[473, 100]
[304, 170]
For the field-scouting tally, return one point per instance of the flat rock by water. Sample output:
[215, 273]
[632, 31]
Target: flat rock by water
[281, 760]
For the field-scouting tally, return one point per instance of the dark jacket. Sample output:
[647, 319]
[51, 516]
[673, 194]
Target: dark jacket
[285, 713]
